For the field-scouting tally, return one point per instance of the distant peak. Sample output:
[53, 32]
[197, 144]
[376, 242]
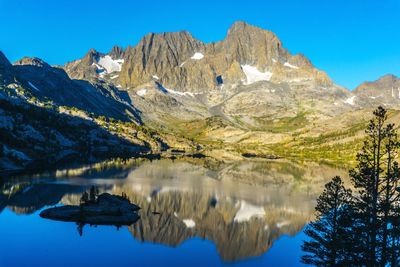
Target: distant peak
[92, 52]
[388, 77]
[34, 61]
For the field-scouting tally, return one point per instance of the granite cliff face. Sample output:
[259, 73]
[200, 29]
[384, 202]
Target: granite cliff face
[180, 62]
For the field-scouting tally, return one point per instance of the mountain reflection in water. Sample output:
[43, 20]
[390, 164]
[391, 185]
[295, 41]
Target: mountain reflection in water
[242, 207]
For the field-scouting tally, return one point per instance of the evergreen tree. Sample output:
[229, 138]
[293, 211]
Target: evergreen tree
[330, 232]
[375, 178]
[84, 198]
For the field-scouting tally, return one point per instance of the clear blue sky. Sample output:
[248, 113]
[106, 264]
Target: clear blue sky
[352, 40]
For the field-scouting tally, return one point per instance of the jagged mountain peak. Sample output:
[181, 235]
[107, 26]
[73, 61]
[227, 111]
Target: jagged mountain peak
[91, 56]
[178, 42]
[181, 62]
[116, 52]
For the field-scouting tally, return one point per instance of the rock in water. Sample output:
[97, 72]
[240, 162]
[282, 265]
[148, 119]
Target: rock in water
[108, 210]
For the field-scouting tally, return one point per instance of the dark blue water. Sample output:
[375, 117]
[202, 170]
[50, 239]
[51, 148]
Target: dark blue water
[32, 241]
[252, 221]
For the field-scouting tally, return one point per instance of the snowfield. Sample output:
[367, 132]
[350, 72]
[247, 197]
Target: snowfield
[109, 64]
[254, 75]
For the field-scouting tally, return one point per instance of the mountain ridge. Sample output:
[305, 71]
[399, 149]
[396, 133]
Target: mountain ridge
[245, 93]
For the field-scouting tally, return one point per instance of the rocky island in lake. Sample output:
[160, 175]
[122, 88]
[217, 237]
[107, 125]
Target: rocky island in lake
[103, 209]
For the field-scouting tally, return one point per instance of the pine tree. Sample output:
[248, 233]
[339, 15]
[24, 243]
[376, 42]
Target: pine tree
[375, 178]
[366, 230]
[84, 198]
[330, 232]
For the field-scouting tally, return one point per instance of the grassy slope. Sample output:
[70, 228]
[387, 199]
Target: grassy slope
[333, 140]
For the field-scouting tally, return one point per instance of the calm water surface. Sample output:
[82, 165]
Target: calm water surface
[211, 214]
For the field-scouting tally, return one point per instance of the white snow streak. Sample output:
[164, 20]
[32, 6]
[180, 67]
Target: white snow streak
[287, 64]
[197, 56]
[179, 93]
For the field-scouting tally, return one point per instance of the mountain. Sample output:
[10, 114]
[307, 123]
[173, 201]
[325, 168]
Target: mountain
[384, 91]
[245, 93]
[46, 117]
[182, 63]
[96, 65]
[247, 76]
[46, 82]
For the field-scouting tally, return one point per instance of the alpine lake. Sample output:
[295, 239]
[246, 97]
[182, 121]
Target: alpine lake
[194, 212]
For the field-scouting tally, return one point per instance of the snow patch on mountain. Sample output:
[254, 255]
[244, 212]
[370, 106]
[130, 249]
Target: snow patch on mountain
[109, 64]
[189, 223]
[287, 64]
[197, 56]
[141, 92]
[248, 211]
[179, 93]
[254, 75]
[350, 100]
